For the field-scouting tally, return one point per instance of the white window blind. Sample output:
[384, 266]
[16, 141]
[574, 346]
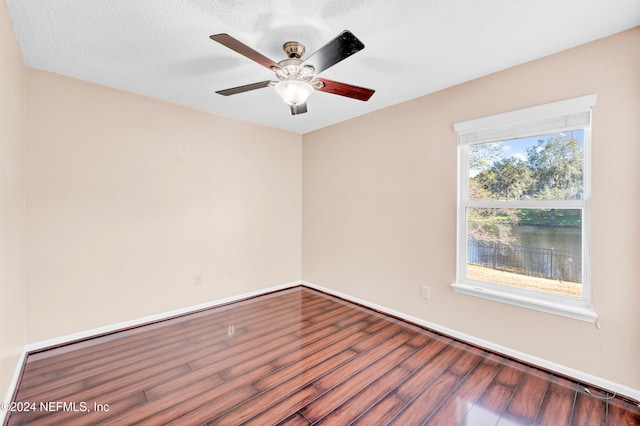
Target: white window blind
[559, 116]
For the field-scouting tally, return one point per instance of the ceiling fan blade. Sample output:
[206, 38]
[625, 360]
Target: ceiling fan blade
[298, 109]
[338, 49]
[245, 88]
[343, 89]
[243, 49]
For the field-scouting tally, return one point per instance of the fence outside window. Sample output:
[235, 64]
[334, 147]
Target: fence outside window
[532, 261]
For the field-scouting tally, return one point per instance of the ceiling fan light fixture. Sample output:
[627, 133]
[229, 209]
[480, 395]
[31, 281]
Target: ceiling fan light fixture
[294, 92]
[296, 77]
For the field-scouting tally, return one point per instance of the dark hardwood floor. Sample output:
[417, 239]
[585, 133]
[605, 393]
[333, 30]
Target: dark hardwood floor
[296, 357]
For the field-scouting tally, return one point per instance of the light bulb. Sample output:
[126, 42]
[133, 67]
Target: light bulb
[294, 92]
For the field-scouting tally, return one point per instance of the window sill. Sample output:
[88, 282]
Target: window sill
[574, 312]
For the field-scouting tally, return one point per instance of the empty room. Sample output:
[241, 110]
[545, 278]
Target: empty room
[327, 212]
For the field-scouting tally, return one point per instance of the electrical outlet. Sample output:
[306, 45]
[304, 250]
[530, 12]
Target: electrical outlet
[197, 280]
[230, 274]
[426, 292]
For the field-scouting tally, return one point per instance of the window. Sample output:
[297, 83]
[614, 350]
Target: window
[523, 207]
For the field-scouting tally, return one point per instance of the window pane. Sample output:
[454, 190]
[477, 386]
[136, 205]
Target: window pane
[539, 249]
[547, 167]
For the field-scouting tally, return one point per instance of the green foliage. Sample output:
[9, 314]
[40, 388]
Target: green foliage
[553, 171]
[481, 156]
[551, 217]
[492, 225]
[507, 179]
[557, 168]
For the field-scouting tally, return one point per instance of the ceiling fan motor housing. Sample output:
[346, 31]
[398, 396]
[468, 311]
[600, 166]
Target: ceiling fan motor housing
[293, 49]
[291, 69]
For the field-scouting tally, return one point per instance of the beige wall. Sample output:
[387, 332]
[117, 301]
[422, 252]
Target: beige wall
[12, 203]
[128, 198]
[379, 207]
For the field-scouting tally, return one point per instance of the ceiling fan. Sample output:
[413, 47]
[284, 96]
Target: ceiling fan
[296, 78]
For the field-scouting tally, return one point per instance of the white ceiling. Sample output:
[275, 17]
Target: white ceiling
[162, 49]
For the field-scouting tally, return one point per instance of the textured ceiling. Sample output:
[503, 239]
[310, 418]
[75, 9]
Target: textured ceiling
[162, 49]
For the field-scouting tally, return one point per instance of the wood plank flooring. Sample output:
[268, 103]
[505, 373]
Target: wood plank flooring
[296, 357]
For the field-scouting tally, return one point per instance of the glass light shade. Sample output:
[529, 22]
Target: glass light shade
[294, 92]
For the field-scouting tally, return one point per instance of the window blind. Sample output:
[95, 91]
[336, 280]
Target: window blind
[554, 117]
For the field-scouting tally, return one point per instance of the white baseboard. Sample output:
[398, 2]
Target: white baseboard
[149, 319]
[580, 376]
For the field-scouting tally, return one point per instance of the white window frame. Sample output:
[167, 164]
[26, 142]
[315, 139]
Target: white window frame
[562, 116]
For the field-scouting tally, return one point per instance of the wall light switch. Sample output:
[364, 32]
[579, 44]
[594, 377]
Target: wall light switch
[426, 292]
